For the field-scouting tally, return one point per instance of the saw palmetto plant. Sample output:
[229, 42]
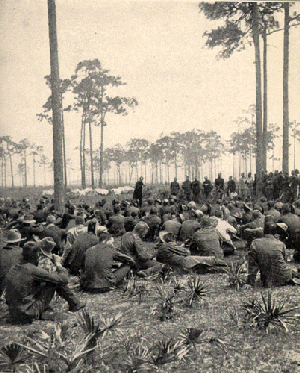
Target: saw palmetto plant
[236, 274]
[196, 290]
[55, 347]
[190, 336]
[267, 312]
[11, 356]
[165, 308]
[134, 288]
[138, 357]
[143, 357]
[166, 350]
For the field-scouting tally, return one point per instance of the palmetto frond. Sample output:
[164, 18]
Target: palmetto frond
[236, 275]
[196, 289]
[12, 355]
[190, 335]
[267, 312]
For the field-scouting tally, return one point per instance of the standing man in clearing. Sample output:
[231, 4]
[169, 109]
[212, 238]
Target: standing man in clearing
[175, 187]
[196, 189]
[187, 189]
[138, 191]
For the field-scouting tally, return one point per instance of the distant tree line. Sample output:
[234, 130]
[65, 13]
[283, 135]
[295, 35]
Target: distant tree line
[188, 152]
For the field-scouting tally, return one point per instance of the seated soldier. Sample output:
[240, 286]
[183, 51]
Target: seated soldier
[188, 228]
[72, 234]
[133, 246]
[179, 257]
[51, 229]
[293, 223]
[268, 256]
[206, 241]
[10, 254]
[154, 222]
[46, 260]
[115, 225]
[98, 274]
[82, 242]
[172, 226]
[169, 253]
[131, 221]
[254, 229]
[30, 289]
[225, 229]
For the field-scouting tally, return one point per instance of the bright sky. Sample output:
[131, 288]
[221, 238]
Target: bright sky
[156, 47]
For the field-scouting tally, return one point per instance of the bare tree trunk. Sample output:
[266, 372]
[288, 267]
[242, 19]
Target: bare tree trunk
[64, 146]
[265, 101]
[5, 185]
[101, 150]
[83, 181]
[11, 170]
[176, 166]
[285, 157]
[33, 166]
[25, 166]
[259, 151]
[81, 147]
[91, 150]
[57, 127]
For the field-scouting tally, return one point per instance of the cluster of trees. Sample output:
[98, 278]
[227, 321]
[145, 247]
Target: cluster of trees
[250, 23]
[189, 153]
[17, 154]
[90, 87]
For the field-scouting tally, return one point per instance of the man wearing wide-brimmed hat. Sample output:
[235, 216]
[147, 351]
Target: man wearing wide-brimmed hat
[52, 230]
[30, 289]
[10, 254]
[28, 227]
[46, 259]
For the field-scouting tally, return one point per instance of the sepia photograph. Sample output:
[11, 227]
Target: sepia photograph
[149, 186]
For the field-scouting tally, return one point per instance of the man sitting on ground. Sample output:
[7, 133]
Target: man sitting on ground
[10, 254]
[98, 274]
[133, 246]
[30, 289]
[115, 225]
[268, 256]
[206, 241]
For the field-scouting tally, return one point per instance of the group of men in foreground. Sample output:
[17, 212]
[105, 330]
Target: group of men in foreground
[101, 244]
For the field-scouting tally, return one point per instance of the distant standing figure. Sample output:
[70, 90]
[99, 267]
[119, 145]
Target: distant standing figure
[138, 191]
[243, 188]
[196, 189]
[207, 187]
[187, 189]
[219, 184]
[175, 187]
[231, 186]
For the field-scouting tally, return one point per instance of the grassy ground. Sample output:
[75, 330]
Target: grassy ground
[226, 343]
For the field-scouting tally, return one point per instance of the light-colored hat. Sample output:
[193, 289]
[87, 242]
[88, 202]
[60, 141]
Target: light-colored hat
[28, 219]
[283, 226]
[101, 229]
[51, 219]
[13, 236]
[166, 236]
